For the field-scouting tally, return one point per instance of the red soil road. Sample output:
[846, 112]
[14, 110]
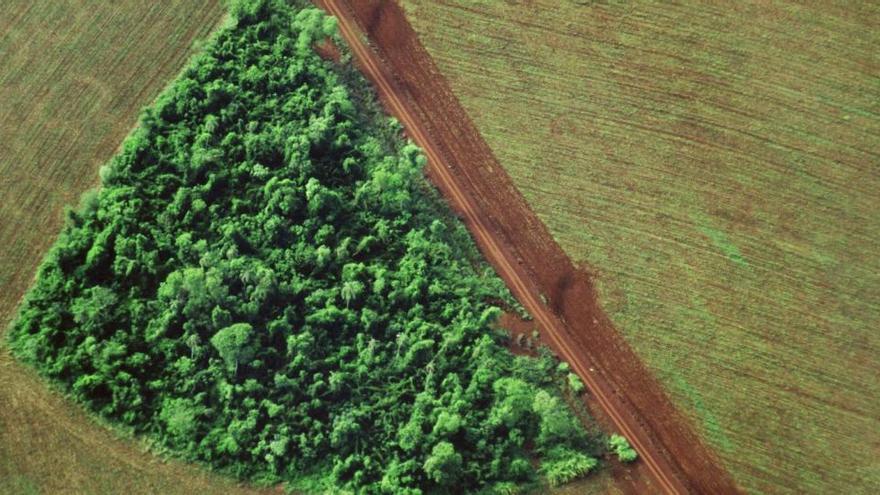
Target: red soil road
[559, 296]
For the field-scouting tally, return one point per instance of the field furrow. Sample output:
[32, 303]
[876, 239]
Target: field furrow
[716, 167]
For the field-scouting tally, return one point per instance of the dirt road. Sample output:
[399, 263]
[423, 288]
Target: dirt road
[559, 297]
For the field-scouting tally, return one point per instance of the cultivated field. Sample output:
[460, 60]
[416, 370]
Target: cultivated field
[717, 168]
[73, 76]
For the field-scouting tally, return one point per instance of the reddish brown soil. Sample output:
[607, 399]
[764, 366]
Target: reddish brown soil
[629, 479]
[559, 295]
[328, 51]
[516, 326]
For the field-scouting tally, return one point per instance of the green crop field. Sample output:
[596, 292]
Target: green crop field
[718, 170]
[73, 76]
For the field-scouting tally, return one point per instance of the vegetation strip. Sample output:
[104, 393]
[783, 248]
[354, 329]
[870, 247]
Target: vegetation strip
[265, 283]
[626, 380]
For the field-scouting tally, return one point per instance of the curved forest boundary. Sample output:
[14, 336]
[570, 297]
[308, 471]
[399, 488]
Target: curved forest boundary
[73, 78]
[559, 296]
[266, 283]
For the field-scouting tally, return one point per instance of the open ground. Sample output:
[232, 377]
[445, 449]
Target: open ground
[75, 75]
[716, 167]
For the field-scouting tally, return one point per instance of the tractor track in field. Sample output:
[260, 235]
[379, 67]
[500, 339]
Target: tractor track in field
[559, 296]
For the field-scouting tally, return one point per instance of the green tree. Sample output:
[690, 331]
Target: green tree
[575, 384]
[621, 447]
[557, 424]
[350, 291]
[443, 466]
[235, 344]
[193, 342]
[562, 465]
[180, 416]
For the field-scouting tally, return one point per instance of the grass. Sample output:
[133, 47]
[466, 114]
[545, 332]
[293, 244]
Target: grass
[716, 167]
[74, 77]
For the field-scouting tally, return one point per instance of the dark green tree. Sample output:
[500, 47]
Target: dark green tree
[235, 344]
[443, 466]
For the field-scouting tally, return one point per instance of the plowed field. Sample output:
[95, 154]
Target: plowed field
[717, 169]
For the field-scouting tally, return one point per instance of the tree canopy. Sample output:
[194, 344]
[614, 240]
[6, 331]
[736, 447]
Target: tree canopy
[266, 283]
[620, 446]
[234, 344]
